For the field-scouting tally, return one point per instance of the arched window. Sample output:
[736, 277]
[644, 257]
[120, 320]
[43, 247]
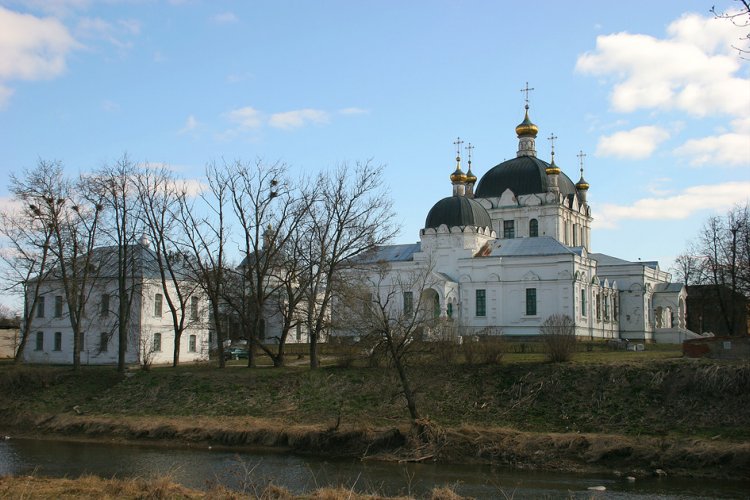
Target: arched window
[533, 228]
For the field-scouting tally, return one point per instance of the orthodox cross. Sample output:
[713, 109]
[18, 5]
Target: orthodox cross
[551, 140]
[458, 143]
[527, 90]
[468, 149]
[581, 155]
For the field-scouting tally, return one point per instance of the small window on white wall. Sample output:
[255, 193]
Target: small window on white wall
[158, 299]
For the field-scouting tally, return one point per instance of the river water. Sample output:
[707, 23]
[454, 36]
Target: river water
[250, 471]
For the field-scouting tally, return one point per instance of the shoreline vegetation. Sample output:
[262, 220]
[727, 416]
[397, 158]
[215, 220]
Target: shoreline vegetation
[94, 487]
[630, 414]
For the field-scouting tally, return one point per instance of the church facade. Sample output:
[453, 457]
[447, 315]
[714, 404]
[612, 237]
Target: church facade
[506, 251]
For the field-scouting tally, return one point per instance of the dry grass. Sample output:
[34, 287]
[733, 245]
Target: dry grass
[92, 487]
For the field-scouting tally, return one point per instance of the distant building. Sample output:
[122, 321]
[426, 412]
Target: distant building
[151, 336]
[9, 337]
[518, 249]
[715, 309]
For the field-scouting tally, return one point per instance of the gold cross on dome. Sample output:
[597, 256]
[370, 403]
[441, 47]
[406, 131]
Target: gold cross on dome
[468, 149]
[527, 89]
[581, 155]
[458, 143]
[552, 138]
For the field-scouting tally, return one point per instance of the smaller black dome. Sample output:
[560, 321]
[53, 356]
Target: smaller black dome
[457, 211]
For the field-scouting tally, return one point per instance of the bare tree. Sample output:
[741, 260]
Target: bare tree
[351, 215]
[123, 228]
[725, 245]
[28, 237]
[75, 223]
[558, 335]
[159, 196]
[390, 309]
[689, 268]
[203, 242]
[268, 209]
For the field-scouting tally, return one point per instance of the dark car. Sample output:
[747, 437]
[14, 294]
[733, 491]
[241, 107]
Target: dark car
[235, 353]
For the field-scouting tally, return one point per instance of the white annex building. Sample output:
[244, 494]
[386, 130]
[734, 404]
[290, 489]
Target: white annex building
[151, 332]
[517, 248]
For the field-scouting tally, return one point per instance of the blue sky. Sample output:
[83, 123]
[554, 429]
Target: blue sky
[652, 92]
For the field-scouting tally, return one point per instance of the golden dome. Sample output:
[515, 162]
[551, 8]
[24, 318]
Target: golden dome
[552, 169]
[458, 175]
[470, 177]
[526, 127]
[582, 185]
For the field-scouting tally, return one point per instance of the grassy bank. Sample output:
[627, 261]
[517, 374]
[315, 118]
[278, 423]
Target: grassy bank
[163, 488]
[605, 412]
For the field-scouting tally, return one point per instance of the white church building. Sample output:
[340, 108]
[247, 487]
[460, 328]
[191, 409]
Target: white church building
[508, 251]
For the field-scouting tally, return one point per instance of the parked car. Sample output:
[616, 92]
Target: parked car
[235, 353]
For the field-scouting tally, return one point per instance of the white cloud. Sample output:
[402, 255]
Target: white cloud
[693, 69]
[298, 118]
[225, 18]
[5, 94]
[58, 8]
[239, 77]
[109, 106]
[190, 124]
[681, 206]
[635, 144]
[728, 149]
[115, 33]
[353, 111]
[246, 118]
[657, 186]
[191, 187]
[32, 48]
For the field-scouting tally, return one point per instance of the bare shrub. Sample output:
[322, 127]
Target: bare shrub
[445, 352]
[348, 354]
[483, 349]
[558, 335]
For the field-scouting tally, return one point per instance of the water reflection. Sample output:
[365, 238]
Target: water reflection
[200, 467]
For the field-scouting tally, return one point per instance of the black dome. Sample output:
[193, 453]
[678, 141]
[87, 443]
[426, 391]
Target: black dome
[522, 175]
[457, 211]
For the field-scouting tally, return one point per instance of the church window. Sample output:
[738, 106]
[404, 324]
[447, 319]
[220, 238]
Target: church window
[583, 302]
[575, 235]
[531, 302]
[449, 310]
[481, 302]
[39, 341]
[40, 306]
[299, 332]
[58, 341]
[157, 342]
[408, 303]
[598, 307]
[194, 303]
[103, 342]
[606, 308]
[509, 229]
[158, 304]
[104, 305]
[58, 306]
[533, 228]
[192, 343]
[615, 312]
